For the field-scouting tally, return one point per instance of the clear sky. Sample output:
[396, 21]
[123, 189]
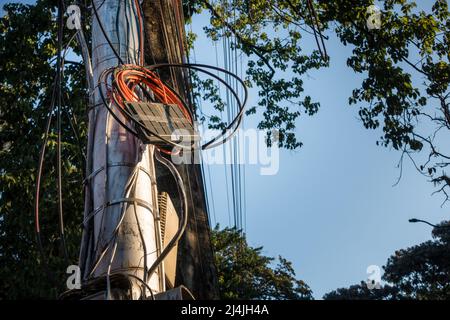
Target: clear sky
[332, 209]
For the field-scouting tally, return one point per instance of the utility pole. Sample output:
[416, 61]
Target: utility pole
[121, 234]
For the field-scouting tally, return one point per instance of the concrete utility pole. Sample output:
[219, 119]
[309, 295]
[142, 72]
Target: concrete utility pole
[114, 156]
[122, 232]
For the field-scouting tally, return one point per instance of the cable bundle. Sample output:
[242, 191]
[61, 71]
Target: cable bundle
[132, 83]
[131, 80]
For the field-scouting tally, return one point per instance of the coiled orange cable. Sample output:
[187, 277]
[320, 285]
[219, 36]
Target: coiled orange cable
[129, 82]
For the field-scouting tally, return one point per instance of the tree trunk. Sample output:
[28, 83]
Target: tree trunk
[164, 27]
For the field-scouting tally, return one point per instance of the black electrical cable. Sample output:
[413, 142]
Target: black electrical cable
[59, 94]
[72, 122]
[38, 183]
[55, 94]
[42, 156]
[100, 24]
[183, 213]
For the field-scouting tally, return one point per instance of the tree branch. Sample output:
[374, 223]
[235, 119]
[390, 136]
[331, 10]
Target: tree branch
[255, 49]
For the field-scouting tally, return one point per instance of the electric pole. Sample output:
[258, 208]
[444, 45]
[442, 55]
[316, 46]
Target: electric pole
[122, 232]
[120, 223]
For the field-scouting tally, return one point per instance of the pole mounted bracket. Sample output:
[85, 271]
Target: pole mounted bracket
[166, 120]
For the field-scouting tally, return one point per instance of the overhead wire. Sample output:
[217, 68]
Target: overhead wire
[196, 106]
[232, 52]
[225, 46]
[238, 140]
[229, 45]
[53, 102]
[227, 189]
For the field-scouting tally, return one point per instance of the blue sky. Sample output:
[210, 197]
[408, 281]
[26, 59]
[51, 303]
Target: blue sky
[332, 209]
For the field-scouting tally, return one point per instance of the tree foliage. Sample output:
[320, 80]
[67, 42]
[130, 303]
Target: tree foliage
[27, 74]
[245, 273]
[404, 64]
[419, 272]
[361, 292]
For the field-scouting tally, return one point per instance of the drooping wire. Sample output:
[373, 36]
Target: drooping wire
[39, 177]
[53, 101]
[59, 160]
[55, 98]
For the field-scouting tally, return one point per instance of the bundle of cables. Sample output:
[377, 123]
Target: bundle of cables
[128, 84]
[122, 85]
[128, 79]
